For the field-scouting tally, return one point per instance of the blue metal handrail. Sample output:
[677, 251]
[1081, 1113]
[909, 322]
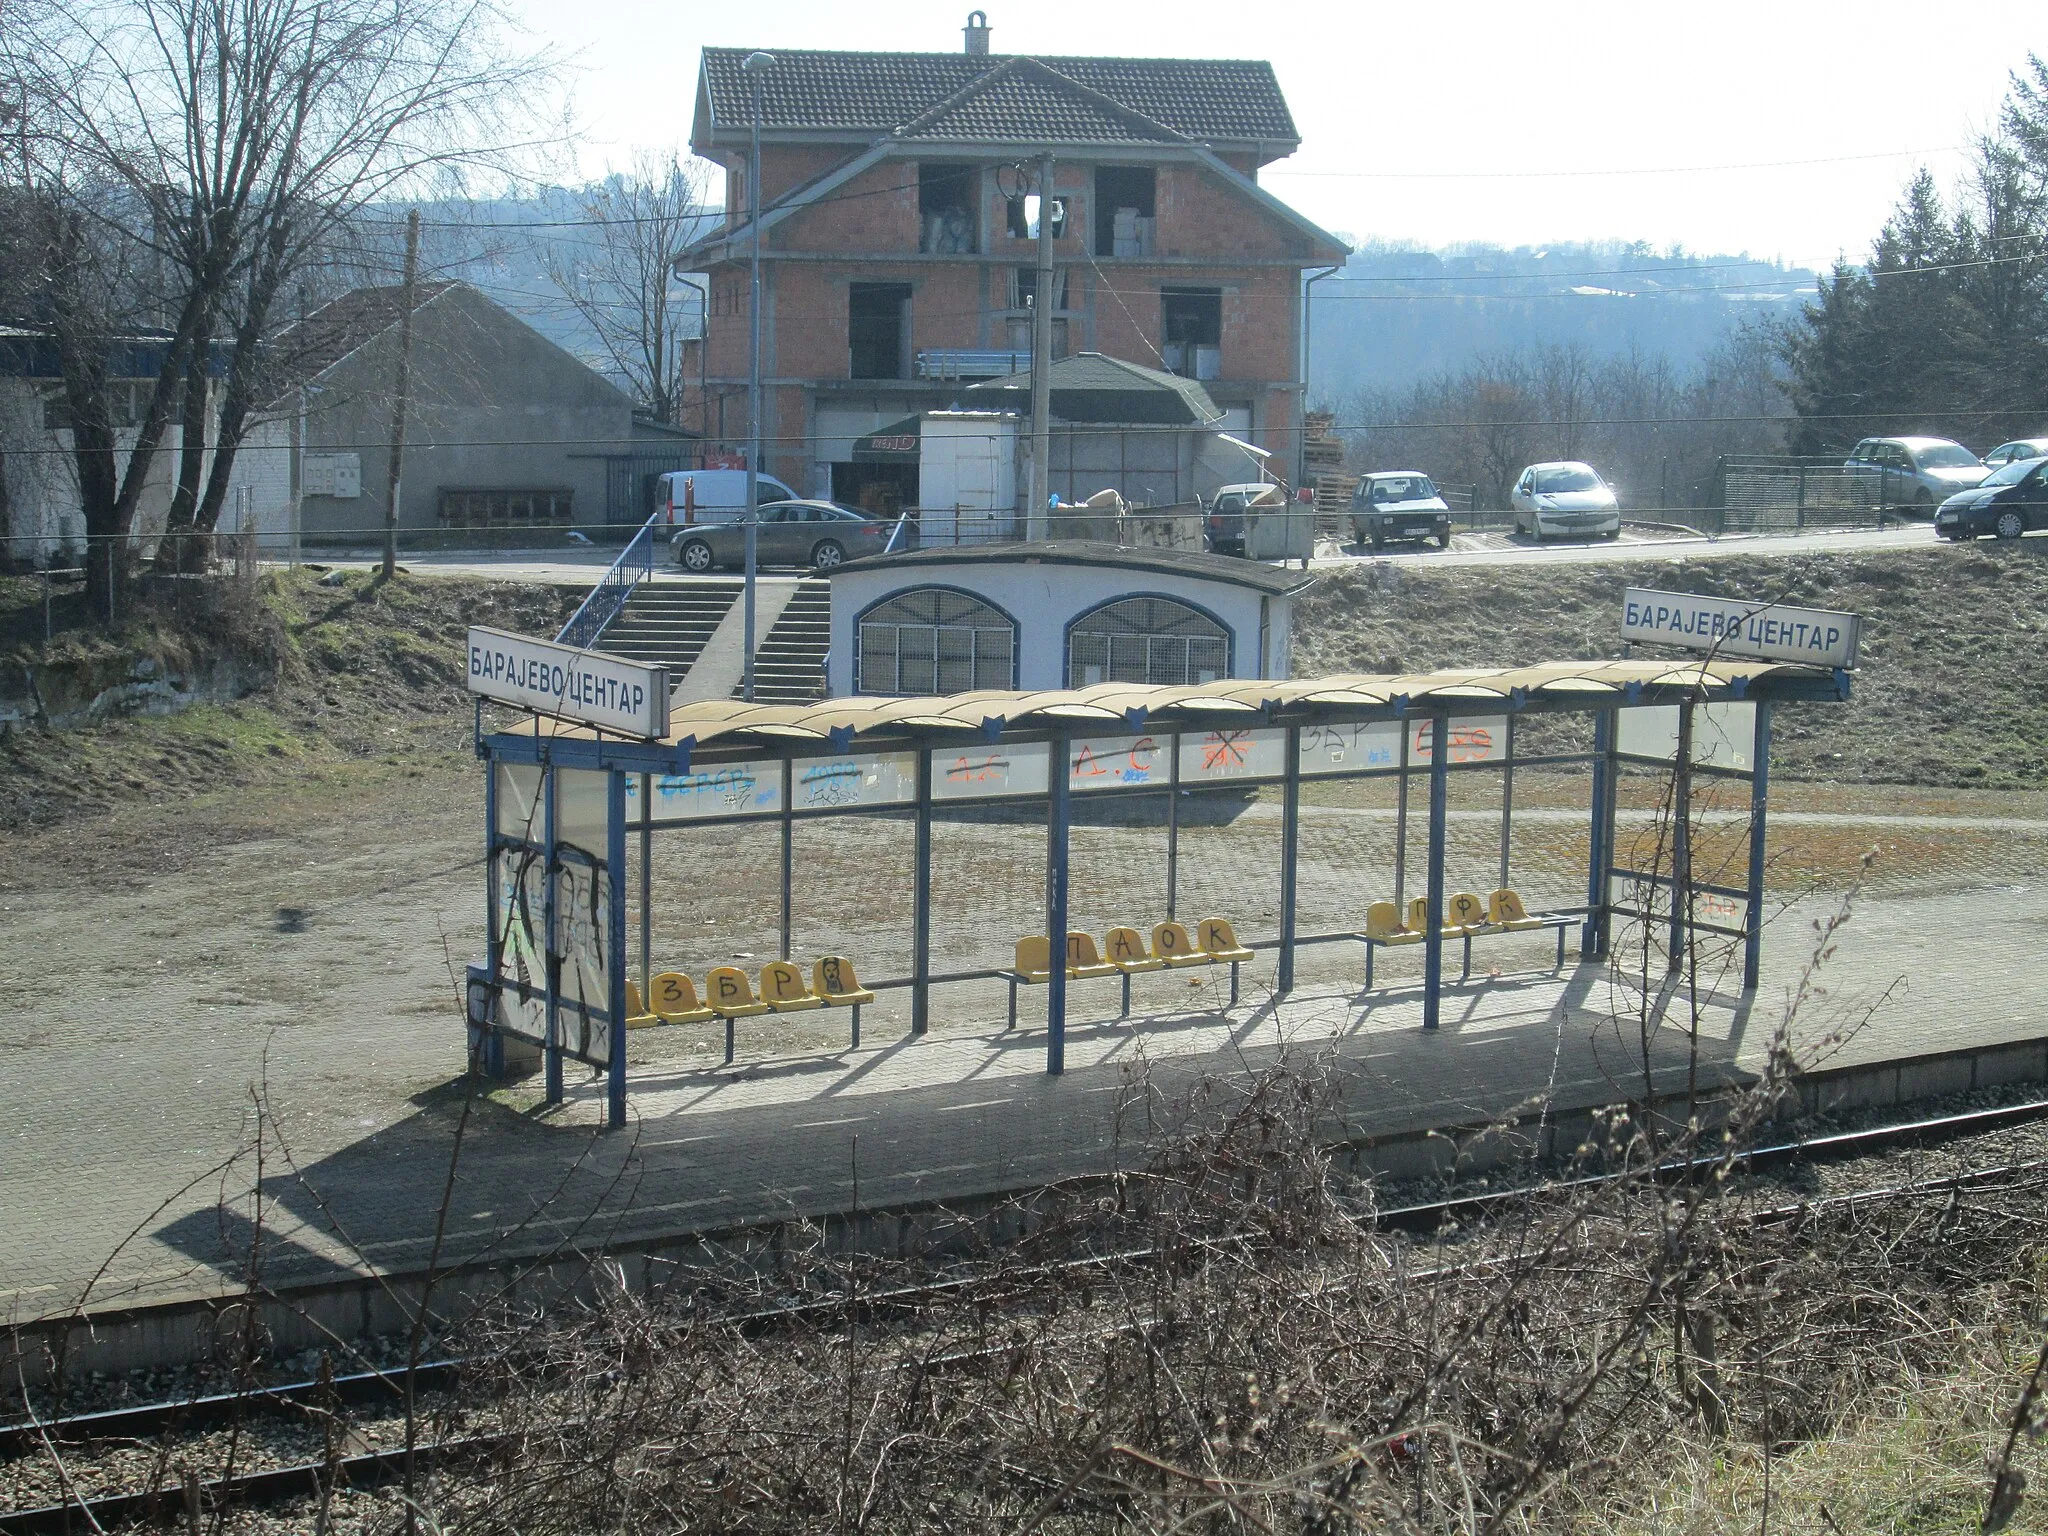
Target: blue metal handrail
[634, 565]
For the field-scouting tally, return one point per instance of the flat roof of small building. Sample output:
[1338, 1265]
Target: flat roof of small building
[1198, 565]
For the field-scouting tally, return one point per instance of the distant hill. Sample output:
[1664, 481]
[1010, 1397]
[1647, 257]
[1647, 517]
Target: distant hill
[1394, 316]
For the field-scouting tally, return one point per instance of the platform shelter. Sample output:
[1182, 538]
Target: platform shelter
[562, 802]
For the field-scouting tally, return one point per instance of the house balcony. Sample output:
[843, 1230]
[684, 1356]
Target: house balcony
[950, 363]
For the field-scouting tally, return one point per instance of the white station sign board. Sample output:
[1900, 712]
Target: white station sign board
[629, 697]
[1730, 627]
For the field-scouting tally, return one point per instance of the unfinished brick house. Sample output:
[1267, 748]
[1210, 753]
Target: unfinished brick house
[898, 240]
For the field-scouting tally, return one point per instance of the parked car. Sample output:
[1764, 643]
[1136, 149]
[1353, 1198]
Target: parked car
[1565, 497]
[1223, 529]
[713, 495]
[2012, 500]
[1399, 504]
[819, 534]
[1913, 473]
[2018, 448]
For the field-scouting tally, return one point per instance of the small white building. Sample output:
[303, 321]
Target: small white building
[1054, 615]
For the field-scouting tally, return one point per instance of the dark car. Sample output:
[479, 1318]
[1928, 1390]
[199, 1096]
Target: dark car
[2009, 503]
[1399, 504]
[819, 534]
[1223, 528]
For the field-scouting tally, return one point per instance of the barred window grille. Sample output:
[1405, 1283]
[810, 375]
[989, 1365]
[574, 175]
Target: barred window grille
[517, 508]
[932, 641]
[1146, 640]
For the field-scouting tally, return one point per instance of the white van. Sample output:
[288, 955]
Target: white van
[713, 495]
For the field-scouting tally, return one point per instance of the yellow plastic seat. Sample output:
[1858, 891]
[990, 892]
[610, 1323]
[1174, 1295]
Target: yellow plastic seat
[833, 980]
[1505, 908]
[1463, 913]
[1219, 940]
[675, 999]
[1083, 959]
[1125, 949]
[730, 995]
[1172, 946]
[638, 1014]
[1034, 959]
[1383, 925]
[1418, 915]
[783, 989]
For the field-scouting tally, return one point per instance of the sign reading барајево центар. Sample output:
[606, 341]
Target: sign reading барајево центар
[1732, 627]
[629, 697]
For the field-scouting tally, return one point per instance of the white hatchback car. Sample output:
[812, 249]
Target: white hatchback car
[1565, 498]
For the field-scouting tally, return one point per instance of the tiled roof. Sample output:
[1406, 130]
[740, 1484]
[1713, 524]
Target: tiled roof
[1210, 100]
[1026, 99]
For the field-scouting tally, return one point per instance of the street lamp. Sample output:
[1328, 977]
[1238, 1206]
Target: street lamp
[755, 68]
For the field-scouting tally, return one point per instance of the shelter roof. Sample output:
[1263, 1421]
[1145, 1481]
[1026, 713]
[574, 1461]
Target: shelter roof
[1095, 387]
[1198, 564]
[1216, 101]
[1120, 708]
[309, 347]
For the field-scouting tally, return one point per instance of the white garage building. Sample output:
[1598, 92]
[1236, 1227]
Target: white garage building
[1054, 615]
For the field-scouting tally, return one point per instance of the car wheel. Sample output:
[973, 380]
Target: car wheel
[1612, 533]
[1923, 505]
[2010, 525]
[695, 556]
[1379, 541]
[1443, 540]
[827, 556]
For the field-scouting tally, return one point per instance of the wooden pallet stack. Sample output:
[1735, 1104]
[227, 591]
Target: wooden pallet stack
[1322, 467]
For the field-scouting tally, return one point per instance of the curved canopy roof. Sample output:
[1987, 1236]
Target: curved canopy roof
[1113, 708]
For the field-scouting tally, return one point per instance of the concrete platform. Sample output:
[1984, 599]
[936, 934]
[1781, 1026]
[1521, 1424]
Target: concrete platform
[963, 1112]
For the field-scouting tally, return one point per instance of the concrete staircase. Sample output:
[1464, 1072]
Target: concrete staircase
[669, 622]
[789, 666]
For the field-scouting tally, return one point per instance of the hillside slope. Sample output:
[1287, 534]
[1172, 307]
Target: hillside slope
[1950, 690]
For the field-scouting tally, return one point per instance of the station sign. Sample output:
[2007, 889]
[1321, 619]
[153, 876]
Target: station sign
[592, 687]
[1731, 627]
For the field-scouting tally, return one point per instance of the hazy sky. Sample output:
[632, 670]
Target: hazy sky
[1437, 122]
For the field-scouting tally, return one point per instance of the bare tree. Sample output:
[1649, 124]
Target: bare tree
[229, 144]
[618, 275]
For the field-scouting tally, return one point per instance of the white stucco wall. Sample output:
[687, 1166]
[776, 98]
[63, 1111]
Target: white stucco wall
[1045, 598]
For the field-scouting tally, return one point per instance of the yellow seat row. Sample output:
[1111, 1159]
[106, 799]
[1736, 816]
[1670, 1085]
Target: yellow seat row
[729, 995]
[1466, 917]
[1214, 942]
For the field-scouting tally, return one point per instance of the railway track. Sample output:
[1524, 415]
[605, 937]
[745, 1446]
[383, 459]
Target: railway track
[361, 1469]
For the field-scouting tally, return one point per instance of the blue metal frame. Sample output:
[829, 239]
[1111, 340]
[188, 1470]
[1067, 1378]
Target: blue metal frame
[616, 757]
[615, 946]
[634, 565]
[1059, 796]
[1759, 798]
[1439, 816]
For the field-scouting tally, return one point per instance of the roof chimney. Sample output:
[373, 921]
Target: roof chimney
[977, 32]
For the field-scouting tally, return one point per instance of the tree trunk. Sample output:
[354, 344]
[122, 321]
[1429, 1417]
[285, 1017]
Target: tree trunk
[180, 549]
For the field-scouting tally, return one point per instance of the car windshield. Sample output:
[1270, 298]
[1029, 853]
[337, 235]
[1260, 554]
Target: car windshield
[1946, 456]
[1403, 488]
[2013, 473]
[1553, 482]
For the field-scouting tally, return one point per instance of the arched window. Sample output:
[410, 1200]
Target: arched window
[1146, 640]
[932, 640]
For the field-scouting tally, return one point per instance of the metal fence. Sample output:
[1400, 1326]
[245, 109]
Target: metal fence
[1780, 495]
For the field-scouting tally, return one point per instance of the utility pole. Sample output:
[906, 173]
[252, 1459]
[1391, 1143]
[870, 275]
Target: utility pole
[405, 301]
[756, 66]
[1037, 517]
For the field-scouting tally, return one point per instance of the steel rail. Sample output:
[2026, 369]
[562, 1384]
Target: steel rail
[367, 1469]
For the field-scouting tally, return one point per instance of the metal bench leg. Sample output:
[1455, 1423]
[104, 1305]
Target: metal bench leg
[1371, 949]
[729, 1022]
[1560, 949]
[1466, 974]
[856, 1026]
[1233, 983]
[1127, 995]
[1012, 1024]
